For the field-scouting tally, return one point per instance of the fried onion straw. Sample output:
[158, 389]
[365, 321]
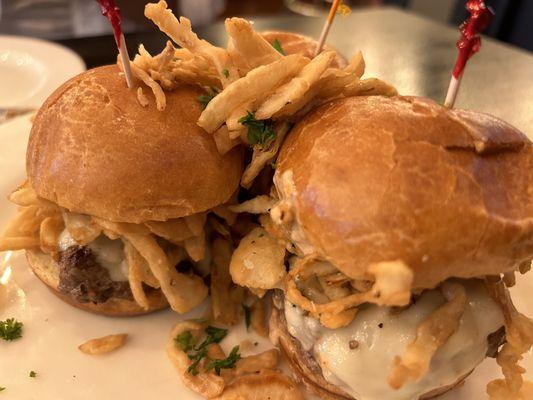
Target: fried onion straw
[431, 334]
[392, 287]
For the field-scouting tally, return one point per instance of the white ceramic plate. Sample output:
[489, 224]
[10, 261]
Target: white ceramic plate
[31, 69]
[140, 370]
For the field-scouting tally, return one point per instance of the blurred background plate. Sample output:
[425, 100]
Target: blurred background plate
[31, 69]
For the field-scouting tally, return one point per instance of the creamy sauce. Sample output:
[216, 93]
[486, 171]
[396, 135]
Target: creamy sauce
[287, 194]
[380, 335]
[65, 241]
[108, 253]
[305, 329]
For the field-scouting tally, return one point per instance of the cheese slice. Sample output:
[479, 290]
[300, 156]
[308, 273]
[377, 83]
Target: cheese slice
[108, 253]
[377, 335]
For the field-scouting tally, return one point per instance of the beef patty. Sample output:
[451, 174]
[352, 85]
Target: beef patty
[84, 279]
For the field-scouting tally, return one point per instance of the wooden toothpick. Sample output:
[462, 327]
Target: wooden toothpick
[125, 57]
[327, 26]
[112, 13]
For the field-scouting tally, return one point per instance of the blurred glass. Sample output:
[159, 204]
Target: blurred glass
[202, 12]
[63, 19]
[40, 18]
[313, 8]
[308, 7]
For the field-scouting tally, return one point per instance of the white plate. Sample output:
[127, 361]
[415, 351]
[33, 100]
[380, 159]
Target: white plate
[31, 69]
[140, 370]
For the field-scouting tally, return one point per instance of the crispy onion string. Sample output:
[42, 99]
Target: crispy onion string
[39, 223]
[392, 287]
[519, 336]
[182, 291]
[249, 75]
[252, 377]
[431, 334]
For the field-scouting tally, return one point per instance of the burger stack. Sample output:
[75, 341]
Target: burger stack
[383, 230]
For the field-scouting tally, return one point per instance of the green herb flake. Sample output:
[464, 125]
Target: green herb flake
[214, 335]
[10, 329]
[259, 132]
[247, 316]
[185, 341]
[196, 358]
[225, 72]
[226, 363]
[277, 45]
[33, 374]
[204, 99]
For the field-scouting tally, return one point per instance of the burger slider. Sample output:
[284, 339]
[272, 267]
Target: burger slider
[113, 213]
[393, 230]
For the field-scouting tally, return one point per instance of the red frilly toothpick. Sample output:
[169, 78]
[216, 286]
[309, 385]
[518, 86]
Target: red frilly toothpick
[112, 13]
[468, 44]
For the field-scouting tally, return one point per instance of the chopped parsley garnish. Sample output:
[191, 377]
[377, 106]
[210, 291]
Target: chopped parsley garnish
[10, 329]
[196, 358]
[185, 340]
[33, 374]
[226, 363]
[214, 335]
[259, 132]
[247, 316]
[225, 72]
[277, 45]
[204, 99]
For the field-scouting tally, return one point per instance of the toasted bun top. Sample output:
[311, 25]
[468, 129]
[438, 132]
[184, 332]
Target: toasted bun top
[94, 149]
[449, 192]
[294, 43]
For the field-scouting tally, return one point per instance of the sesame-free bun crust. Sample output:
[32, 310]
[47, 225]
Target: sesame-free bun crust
[448, 192]
[95, 150]
[294, 43]
[48, 272]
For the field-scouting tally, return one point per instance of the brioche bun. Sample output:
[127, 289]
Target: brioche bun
[47, 271]
[95, 150]
[448, 192]
[294, 43]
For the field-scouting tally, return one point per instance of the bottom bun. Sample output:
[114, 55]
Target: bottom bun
[47, 271]
[306, 369]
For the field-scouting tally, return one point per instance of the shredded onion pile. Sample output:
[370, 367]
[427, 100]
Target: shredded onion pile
[248, 76]
[39, 223]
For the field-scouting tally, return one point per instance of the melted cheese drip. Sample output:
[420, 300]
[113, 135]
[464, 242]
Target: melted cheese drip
[286, 192]
[108, 253]
[381, 335]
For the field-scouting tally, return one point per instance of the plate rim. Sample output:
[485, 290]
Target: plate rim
[70, 60]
